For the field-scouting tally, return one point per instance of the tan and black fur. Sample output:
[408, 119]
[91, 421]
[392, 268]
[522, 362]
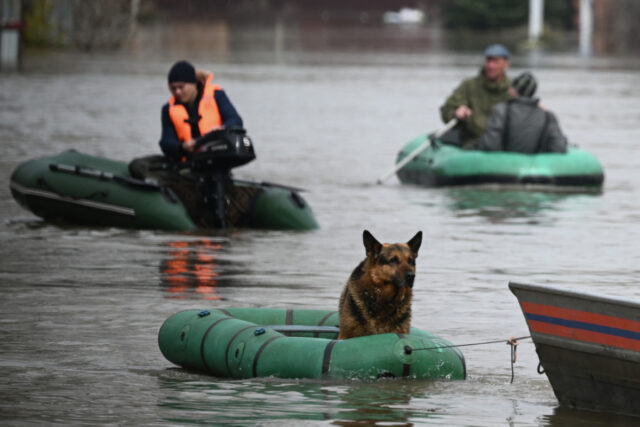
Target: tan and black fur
[377, 296]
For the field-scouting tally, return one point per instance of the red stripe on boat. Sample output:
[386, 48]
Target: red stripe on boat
[581, 316]
[582, 335]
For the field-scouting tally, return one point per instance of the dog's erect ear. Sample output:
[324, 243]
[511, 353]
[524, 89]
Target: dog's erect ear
[415, 242]
[370, 243]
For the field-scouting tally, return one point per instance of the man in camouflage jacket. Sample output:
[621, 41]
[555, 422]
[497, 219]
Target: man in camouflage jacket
[471, 102]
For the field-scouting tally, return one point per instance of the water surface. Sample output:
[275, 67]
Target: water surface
[81, 307]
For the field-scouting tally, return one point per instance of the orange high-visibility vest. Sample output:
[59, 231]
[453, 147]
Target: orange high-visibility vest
[207, 110]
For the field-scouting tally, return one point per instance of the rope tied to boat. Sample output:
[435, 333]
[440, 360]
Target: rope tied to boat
[512, 342]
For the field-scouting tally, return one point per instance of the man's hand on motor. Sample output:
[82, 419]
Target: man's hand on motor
[189, 145]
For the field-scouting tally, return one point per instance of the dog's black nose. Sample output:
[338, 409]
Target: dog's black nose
[409, 277]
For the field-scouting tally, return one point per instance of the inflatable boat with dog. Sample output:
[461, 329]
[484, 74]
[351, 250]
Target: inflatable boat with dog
[444, 164]
[83, 189]
[266, 342]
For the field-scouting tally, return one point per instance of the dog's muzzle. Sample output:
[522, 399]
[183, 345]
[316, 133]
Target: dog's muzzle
[407, 280]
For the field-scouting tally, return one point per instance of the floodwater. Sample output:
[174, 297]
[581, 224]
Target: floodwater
[80, 308]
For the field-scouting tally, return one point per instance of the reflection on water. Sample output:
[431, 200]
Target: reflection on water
[562, 416]
[194, 398]
[500, 205]
[362, 404]
[191, 268]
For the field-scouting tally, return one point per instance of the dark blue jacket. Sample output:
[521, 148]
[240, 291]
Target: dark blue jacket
[169, 143]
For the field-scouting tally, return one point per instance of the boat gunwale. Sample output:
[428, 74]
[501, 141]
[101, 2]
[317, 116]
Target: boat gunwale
[585, 296]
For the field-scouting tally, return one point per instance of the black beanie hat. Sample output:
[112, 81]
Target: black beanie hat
[525, 84]
[182, 71]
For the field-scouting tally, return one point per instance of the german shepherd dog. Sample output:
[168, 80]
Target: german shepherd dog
[377, 296]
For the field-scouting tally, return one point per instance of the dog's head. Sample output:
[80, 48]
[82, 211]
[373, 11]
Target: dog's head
[392, 264]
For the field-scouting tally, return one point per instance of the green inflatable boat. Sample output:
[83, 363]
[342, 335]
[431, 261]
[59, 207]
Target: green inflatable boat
[263, 342]
[443, 164]
[82, 189]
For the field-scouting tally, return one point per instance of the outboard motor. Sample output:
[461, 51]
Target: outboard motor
[223, 149]
[215, 154]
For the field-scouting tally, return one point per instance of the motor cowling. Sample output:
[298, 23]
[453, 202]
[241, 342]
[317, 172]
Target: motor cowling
[223, 149]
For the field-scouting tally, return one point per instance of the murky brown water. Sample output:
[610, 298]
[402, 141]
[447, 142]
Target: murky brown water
[81, 308]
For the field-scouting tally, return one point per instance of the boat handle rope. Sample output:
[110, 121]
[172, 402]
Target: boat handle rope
[104, 176]
[512, 342]
[118, 179]
[42, 183]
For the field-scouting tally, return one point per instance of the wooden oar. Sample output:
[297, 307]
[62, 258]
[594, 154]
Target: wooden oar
[418, 150]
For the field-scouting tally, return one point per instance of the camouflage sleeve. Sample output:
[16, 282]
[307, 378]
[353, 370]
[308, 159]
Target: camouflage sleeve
[456, 99]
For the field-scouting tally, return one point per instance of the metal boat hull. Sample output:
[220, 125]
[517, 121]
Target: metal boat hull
[588, 345]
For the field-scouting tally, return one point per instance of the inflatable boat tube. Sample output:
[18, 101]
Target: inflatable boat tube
[264, 342]
[78, 188]
[443, 164]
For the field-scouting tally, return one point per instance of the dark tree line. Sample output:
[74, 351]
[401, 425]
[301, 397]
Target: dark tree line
[496, 14]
